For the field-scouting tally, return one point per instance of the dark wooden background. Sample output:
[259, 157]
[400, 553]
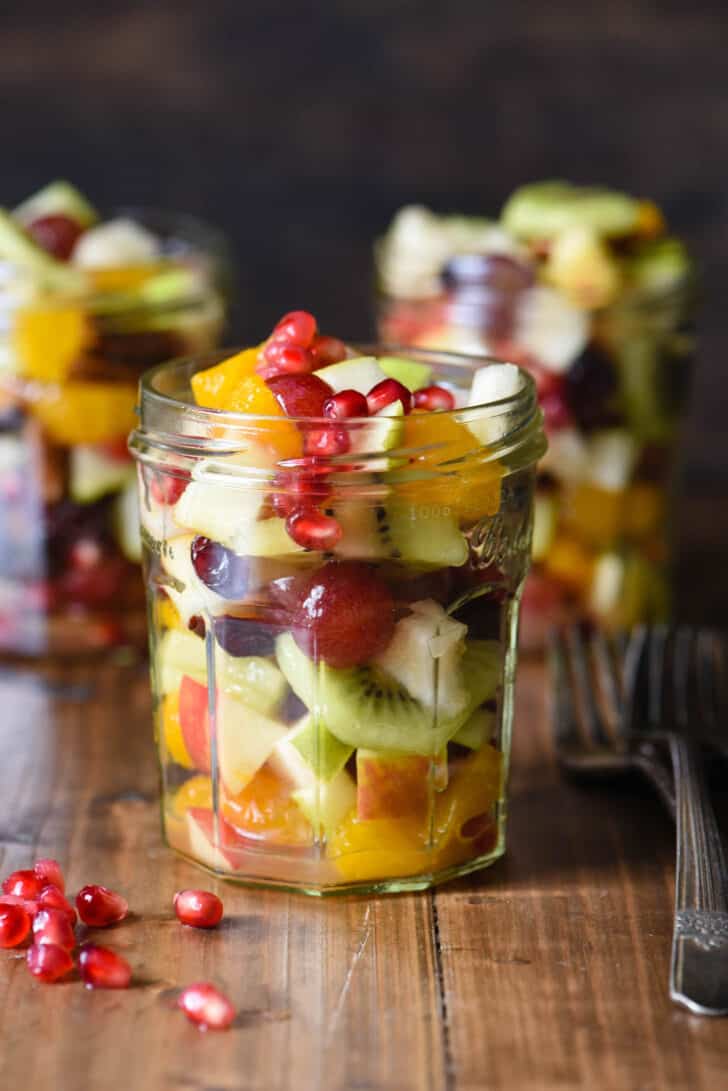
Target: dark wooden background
[301, 127]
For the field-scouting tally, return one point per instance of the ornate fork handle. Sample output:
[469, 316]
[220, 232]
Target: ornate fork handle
[699, 971]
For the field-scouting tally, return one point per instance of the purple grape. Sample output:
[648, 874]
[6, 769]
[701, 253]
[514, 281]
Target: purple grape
[590, 390]
[240, 636]
[500, 273]
[220, 569]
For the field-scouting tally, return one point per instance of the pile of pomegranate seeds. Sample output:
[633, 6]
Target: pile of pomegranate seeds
[33, 906]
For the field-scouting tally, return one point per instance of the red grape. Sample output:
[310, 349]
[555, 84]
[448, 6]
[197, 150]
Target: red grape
[300, 395]
[327, 350]
[343, 613]
[55, 234]
[225, 572]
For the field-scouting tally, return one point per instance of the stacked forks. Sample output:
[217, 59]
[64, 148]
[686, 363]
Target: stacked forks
[650, 701]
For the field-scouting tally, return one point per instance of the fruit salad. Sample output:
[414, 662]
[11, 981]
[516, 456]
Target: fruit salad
[586, 289]
[86, 306]
[335, 543]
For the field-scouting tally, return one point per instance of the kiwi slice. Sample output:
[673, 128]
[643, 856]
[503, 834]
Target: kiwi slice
[363, 707]
[423, 534]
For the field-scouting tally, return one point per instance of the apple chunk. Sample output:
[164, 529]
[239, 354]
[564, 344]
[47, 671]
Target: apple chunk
[194, 722]
[213, 842]
[245, 740]
[395, 785]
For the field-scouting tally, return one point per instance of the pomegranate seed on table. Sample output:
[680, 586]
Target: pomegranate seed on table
[24, 884]
[56, 234]
[295, 328]
[284, 359]
[53, 926]
[47, 962]
[98, 906]
[327, 350]
[50, 873]
[386, 392]
[14, 925]
[51, 898]
[300, 395]
[345, 404]
[101, 968]
[433, 397]
[198, 908]
[205, 1005]
[313, 529]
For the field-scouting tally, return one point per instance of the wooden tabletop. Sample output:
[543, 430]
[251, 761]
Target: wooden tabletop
[547, 971]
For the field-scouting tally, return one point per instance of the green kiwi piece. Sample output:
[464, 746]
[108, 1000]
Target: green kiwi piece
[363, 707]
[419, 533]
[542, 210]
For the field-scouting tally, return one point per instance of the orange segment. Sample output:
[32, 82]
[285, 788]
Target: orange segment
[265, 810]
[167, 615]
[570, 563]
[471, 490]
[174, 742]
[49, 341]
[195, 792]
[86, 412]
[214, 387]
[253, 396]
[650, 221]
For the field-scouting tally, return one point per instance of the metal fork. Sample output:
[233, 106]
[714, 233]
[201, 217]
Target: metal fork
[674, 681]
[587, 714]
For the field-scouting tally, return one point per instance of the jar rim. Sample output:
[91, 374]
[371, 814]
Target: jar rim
[523, 399]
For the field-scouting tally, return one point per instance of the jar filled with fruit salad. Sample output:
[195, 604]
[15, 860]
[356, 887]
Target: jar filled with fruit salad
[86, 306]
[335, 542]
[585, 289]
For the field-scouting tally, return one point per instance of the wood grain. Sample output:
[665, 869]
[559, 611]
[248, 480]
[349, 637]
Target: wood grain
[547, 972]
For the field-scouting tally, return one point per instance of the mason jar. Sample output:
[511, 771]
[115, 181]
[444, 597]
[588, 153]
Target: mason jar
[69, 370]
[613, 382]
[337, 718]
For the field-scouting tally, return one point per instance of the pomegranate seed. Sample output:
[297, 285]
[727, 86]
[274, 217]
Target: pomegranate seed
[31, 908]
[198, 908]
[284, 359]
[24, 884]
[102, 968]
[297, 488]
[347, 403]
[14, 925]
[47, 962]
[207, 1006]
[326, 441]
[433, 397]
[167, 489]
[51, 898]
[300, 395]
[556, 413]
[296, 328]
[312, 529]
[55, 234]
[98, 907]
[53, 926]
[327, 350]
[386, 392]
[50, 873]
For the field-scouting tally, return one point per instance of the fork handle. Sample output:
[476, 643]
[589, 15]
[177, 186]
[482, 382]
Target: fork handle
[699, 970]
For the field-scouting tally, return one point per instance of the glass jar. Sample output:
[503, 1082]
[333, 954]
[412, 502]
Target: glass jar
[614, 394]
[69, 372]
[336, 720]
